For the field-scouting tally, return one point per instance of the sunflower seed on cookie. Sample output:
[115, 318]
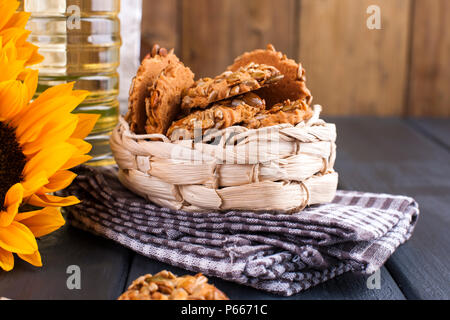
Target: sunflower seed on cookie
[221, 115]
[292, 112]
[292, 87]
[245, 79]
[167, 286]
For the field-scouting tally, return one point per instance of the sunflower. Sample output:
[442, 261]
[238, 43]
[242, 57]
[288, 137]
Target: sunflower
[40, 141]
[12, 28]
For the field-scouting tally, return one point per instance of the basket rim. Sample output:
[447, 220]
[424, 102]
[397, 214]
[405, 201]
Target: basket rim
[315, 120]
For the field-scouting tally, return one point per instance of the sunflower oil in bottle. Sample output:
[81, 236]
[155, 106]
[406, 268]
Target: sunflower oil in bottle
[80, 41]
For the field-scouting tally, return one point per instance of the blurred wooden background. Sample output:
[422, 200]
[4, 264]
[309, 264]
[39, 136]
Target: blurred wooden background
[401, 70]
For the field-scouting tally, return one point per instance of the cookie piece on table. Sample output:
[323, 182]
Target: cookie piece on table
[249, 77]
[221, 115]
[292, 87]
[149, 71]
[166, 286]
[162, 105]
[292, 112]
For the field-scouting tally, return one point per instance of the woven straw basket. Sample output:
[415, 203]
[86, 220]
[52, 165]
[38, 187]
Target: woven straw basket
[281, 168]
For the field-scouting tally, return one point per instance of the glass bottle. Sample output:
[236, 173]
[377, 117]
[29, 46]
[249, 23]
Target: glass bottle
[80, 41]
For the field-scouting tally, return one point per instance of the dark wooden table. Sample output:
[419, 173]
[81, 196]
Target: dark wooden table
[410, 157]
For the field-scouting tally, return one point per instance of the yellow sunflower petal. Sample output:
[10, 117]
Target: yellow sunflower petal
[11, 70]
[12, 29]
[11, 99]
[33, 183]
[15, 35]
[7, 8]
[60, 180]
[46, 200]
[42, 222]
[29, 53]
[86, 123]
[6, 260]
[76, 161]
[9, 65]
[30, 79]
[53, 133]
[54, 92]
[33, 259]
[31, 123]
[50, 159]
[80, 156]
[82, 146]
[18, 20]
[13, 199]
[17, 238]
[65, 89]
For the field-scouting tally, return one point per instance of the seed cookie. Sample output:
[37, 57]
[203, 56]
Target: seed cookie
[288, 112]
[157, 70]
[293, 85]
[249, 77]
[163, 102]
[166, 286]
[150, 69]
[221, 115]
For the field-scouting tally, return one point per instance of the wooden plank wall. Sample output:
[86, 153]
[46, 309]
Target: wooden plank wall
[401, 70]
[429, 91]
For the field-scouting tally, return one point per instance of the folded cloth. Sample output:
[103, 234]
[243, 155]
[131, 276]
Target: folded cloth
[282, 254]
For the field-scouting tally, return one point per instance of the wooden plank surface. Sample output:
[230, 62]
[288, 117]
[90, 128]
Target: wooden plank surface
[436, 129]
[103, 264]
[350, 69]
[160, 24]
[347, 286]
[389, 156]
[429, 93]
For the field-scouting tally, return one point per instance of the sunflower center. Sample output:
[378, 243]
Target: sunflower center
[12, 161]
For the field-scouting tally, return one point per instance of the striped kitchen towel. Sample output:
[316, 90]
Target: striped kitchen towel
[282, 254]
